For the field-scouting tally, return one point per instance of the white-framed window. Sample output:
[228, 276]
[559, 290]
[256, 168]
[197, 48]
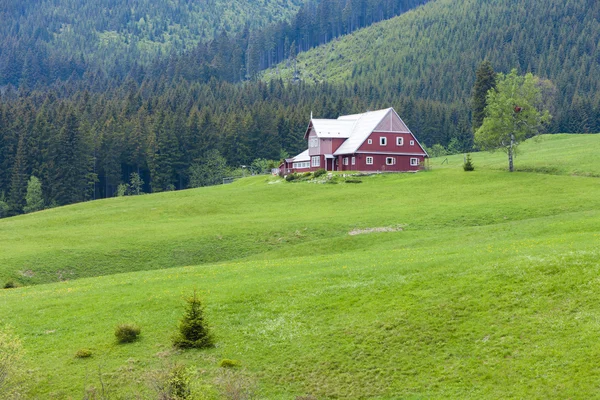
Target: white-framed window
[313, 142]
[414, 161]
[345, 160]
[412, 142]
[399, 141]
[353, 160]
[383, 141]
[390, 160]
[315, 161]
[369, 160]
[370, 141]
[300, 165]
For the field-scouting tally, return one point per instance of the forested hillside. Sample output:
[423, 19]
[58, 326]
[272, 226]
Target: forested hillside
[43, 40]
[52, 41]
[433, 51]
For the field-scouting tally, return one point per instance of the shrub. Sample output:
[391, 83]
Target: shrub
[83, 353]
[307, 174]
[291, 177]
[127, 333]
[468, 165]
[172, 383]
[121, 190]
[10, 285]
[193, 330]
[319, 172]
[227, 363]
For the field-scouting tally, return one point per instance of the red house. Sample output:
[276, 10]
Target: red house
[373, 141]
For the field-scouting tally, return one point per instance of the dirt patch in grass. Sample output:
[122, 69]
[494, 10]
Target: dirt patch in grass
[375, 230]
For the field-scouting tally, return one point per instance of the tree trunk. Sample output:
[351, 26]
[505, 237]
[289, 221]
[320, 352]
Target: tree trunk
[510, 153]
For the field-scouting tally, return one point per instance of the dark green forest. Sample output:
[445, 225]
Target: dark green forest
[84, 129]
[432, 52]
[47, 40]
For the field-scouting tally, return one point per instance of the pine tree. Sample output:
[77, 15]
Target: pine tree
[485, 80]
[72, 169]
[18, 183]
[193, 330]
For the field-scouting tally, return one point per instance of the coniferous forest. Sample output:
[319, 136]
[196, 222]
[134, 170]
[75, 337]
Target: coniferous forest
[83, 115]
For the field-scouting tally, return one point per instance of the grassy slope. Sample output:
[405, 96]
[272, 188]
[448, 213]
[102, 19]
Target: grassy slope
[220, 223]
[553, 154]
[490, 291]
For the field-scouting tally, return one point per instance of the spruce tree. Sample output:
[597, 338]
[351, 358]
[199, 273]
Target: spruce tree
[485, 80]
[18, 183]
[193, 330]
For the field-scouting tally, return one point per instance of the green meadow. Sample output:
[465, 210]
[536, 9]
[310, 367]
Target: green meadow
[487, 286]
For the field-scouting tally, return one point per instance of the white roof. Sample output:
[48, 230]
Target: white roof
[364, 124]
[332, 128]
[301, 157]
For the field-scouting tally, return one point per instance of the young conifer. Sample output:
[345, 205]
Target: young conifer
[193, 329]
[468, 165]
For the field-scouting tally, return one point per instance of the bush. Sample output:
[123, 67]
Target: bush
[127, 333]
[319, 172]
[291, 177]
[468, 165]
[172, 383]
[121, 190]
[83, 353]
[10, 285]
[193, 330]
[307, 174]
[227, 363]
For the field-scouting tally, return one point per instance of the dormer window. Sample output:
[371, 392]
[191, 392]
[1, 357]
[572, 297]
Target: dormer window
[399, 141]
[383, 141]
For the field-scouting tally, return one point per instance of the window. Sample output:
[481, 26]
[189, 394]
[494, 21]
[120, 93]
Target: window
[353, 160]
[315, 161]
[412, 142]
[414, 161]
[370, 141]
[313, 142]
[300, 165]
[390, 160]
[369, 160]
[399, 141]
[383, 141]
[345, 160]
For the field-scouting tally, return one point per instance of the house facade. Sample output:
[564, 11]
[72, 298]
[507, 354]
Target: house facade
[373, 141]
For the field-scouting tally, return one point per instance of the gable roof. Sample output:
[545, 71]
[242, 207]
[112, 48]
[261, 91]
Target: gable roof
[364, 124]
[300, 157]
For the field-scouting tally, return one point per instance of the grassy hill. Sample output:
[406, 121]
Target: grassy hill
[488, 290]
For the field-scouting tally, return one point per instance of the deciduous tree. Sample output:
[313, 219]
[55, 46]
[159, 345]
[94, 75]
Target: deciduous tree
[515, 111]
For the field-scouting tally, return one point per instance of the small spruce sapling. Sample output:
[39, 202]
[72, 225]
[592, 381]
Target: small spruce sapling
[193, 329]
[468, 165]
